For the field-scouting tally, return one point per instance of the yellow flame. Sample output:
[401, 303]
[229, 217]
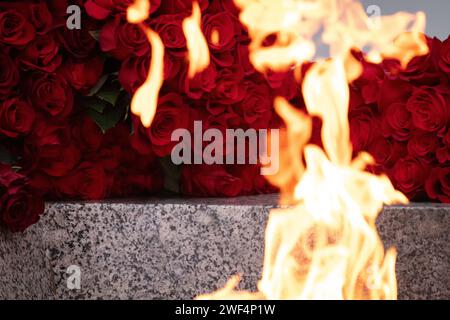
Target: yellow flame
[215, 37]
[345, 24]
[139, 11]
[325, 245]
[145, 100]
[198, 50]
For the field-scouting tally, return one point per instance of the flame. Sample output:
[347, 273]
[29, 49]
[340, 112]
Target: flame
[138, 12]
[145, 100]
[345, 24]
[198, 51]
[325, 245]
[215, 37]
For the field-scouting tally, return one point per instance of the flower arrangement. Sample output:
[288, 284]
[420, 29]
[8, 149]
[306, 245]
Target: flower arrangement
[66, 131]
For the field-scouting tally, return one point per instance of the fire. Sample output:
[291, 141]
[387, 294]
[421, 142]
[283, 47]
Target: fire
[145, 100]
[196, 43]
[325, 244]
[138, 12]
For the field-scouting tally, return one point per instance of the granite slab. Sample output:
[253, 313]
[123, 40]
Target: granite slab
[178, 248]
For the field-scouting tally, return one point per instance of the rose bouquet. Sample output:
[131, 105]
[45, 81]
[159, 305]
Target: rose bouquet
[66, 131]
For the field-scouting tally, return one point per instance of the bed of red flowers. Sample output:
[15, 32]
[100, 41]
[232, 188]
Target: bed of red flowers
[66, 131]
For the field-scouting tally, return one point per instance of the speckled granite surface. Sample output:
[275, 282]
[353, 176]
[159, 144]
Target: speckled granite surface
[178, 248]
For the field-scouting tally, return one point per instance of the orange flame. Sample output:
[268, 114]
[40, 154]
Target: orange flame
[198, 50]
[215, 37]
[145, 100]
[138, 12]
[325, 245]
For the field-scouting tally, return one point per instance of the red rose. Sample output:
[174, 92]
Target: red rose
[139, 140]
[15, 28]
[393, 91]
[202, 83]
[16, 118]
[136, 176]
[135, 184]
[409, 175]
[20, 207]
[114, 146]
[209, 181]
[386, 152]
[51, 149]
[172, 66]
[247, 174]
[421, 69]
[226, 27]
[87, 182]
[229, 88]
[364, 127]
[356, 99]
[181, 6]
[369, 81]
[397, 122]
[251, 179]
[83, 75]
[283, 84]
[51, 94]
[243, 59]
[438, 184]
[170, 116]
[443, 154]
[256, 108]
[122, 39]
[109, 156]
[79, 43]
[42, 54]
[430, 110]
[224, 5]
[41, 17]
[169, 28]
[87, 134]
[130, 172]
[134, 71]
[9, 75]
[101, 9]
[370, 92]
[42, 183]
[444, 57]
[423, 145]
[58, 9]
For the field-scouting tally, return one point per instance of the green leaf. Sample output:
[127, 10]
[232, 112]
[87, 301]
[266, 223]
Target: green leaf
[6, 157]
[172, 174]
[107, 118]
[124, 103]
[95, 34]
[107, 89]
[98, 85]
[94, 104]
